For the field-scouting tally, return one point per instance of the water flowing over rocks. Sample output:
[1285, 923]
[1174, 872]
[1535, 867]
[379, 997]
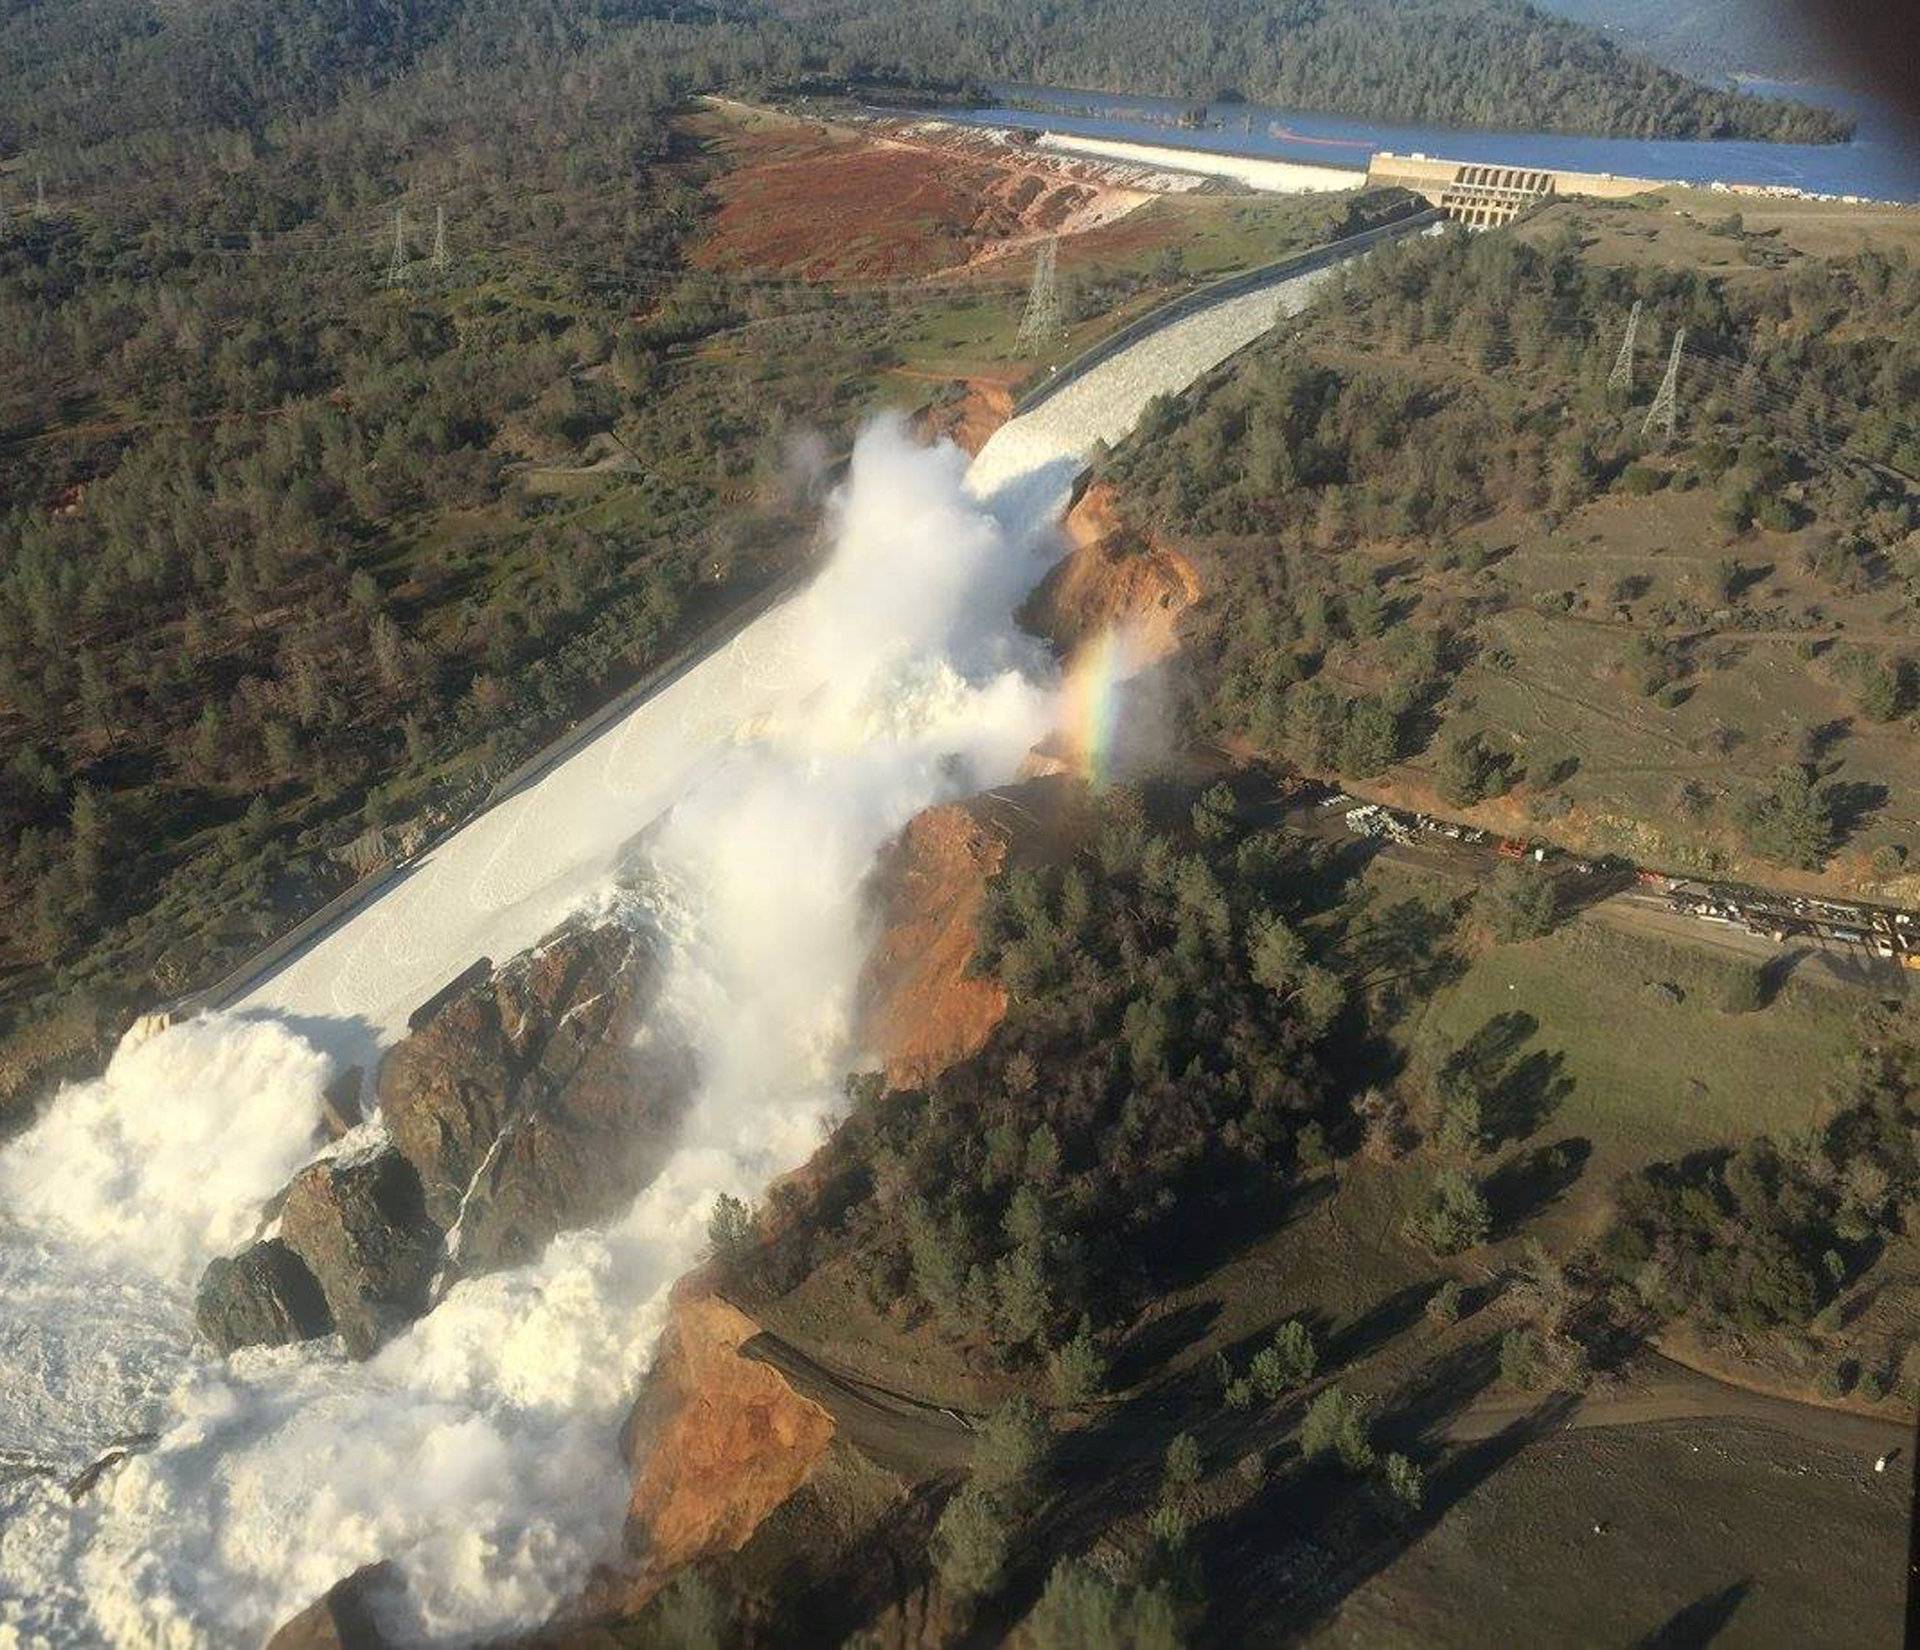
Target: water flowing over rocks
[342, 1618]
[525, 1103]
[263, 1296]
[361, 1226]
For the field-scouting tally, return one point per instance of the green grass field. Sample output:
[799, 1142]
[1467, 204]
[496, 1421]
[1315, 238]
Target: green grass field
[1646, 1076]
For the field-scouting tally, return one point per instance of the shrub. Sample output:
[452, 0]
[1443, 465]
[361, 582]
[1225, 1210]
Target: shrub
[1286, 1363]
[1744, 989]
[1518, 904]
[730, 1230]
[1336, 1422]
[1011, 1450]
[971, 1542]
[1082, 1608]
[1470, 771]
[1454, 1216]
[1181, 1470]
[1406, 1483]
[1443, 1305]
[1077, 1368]
[1523, 1361]
[692, 1614]
[1792, 821]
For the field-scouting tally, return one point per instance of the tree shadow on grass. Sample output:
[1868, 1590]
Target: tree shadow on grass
[1699, 1623]
[1850, 802]
[1379, 1324]
[1153, 1345]
[1449, 1482]
[1517, 1091]
[1529, 1181]
[1211, 1233]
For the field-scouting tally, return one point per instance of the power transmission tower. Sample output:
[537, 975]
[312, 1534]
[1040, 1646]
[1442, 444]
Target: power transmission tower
[1041, 323]
[397, 264]
[1665, 409]
[1621, 378]
[439, 237]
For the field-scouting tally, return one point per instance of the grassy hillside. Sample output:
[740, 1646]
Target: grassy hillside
[1444, 556]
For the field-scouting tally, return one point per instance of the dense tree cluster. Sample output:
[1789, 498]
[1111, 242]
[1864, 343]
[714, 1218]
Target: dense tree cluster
[276, 568]
[1461, 378]
[1766, 1234]
[1158, 1056]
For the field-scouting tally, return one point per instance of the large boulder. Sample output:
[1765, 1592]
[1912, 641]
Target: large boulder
[263, 1296]
[360, 1224]
[345, 1616]
[524, 1102]
[517, 1107]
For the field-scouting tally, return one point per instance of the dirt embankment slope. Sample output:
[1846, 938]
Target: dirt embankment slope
[1114, 576]
[922, 1010]
[719, 1440]
[966, 413]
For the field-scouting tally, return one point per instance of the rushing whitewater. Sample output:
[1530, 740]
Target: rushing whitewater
[476, 1449]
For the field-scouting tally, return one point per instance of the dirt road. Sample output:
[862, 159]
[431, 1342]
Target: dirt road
[914, 1437]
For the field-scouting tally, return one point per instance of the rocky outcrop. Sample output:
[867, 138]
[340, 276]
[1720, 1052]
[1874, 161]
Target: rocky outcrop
[517, 1107]
[263, 1296]
[718, 1440]
[524, 1103]
[360, 1224]
[343, 1617]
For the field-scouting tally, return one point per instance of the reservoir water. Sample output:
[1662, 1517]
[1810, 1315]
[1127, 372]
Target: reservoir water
[1881, 163]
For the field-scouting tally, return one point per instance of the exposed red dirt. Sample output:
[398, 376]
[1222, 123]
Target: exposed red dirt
[1114, 577]
[719, 1440]
[920, 1010]
[968, 415]
[921, 1013]
[807, 198]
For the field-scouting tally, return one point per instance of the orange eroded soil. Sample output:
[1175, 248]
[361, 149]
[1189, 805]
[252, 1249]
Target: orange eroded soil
[1113, 577]
[808, 198]
[720, 1440]
[968, 417]
[920, 1011]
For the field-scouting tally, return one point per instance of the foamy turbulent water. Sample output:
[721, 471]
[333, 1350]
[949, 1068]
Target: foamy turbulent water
[477, 1449]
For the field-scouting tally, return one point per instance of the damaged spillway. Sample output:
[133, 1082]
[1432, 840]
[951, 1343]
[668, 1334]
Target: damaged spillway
[441, 1318]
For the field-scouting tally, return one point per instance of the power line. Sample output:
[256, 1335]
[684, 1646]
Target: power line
[1621, 378]
[1665, 410]
[397, 264]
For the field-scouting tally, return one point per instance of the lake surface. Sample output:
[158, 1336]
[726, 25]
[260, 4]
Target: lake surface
[1881, 163]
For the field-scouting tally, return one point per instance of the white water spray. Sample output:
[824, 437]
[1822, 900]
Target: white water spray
[476, 1450]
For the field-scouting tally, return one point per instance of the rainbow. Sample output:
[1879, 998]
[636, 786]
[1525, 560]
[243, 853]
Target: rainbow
[1090, 703]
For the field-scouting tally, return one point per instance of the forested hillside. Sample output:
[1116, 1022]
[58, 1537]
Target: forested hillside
[1469, 62]
[278, 564]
